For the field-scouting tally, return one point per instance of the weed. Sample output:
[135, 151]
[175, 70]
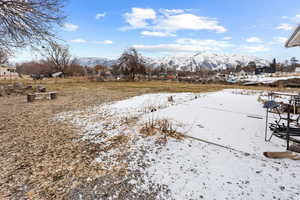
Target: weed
[162, 126]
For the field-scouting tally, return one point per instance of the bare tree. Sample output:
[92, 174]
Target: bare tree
[58, 56]
[35, 67]
[75, 69]
[131, 63]
[28, 22]
[101, 70]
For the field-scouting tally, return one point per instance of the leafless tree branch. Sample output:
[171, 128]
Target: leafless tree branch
[58, 56]
[3, 57]
[28, 22]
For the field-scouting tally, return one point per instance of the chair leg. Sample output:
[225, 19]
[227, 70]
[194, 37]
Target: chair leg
[266, 129]
[269, 139]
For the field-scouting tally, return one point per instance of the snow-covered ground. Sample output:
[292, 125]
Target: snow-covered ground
[267, 79]
[113, 117]
[189, 168]
[232, 118]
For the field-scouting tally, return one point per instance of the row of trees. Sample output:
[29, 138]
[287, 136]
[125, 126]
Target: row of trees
[57, 58]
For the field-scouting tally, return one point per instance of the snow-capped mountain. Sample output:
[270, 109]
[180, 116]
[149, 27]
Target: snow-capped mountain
[93, 61]
[207, 60]
[202, 60]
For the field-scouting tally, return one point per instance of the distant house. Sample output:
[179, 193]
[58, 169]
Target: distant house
[297, 69]
[265, 69]
[222, 76]
[242, 73]
[171, 76]
[8, 72]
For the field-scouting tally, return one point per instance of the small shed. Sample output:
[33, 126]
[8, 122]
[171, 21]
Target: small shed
[8, 72]
[57, 75]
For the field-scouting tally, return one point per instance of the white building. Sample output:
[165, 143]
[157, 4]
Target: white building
[8, 72]
[297, 70]
[242, 74]
[294, 40]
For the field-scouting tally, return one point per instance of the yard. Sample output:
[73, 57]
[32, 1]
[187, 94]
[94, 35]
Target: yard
[130, 140]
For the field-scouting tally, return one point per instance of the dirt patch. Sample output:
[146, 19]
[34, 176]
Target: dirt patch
[114, 187]
[41, 158]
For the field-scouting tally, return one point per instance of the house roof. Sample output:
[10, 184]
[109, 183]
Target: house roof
[294, 40]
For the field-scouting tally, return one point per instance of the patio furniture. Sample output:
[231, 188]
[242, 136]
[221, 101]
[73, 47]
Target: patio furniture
[41, 95]
[287, 126]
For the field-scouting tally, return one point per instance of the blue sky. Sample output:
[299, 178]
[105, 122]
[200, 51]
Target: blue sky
[97, 28]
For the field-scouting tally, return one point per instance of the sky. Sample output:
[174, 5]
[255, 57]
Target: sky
[96, 28]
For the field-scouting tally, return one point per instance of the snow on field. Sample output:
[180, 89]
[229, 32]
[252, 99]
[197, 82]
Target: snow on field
[229, 118]
[188, 168]
[113, 117]
[193, 170]
[267, 79]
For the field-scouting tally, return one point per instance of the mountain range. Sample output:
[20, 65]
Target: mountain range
[193, 62]
[93, 61]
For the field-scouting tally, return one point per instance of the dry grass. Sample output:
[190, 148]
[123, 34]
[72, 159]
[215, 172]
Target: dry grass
[116, 141]
[163, 127]
[83, 84]
[42, 159]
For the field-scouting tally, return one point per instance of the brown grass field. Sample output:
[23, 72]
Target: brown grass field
[43, 159]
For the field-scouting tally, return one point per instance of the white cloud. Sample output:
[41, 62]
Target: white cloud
[100, 15]
[211, 43]
[171, 11]
[280, 39]
[138, 18]
[186, 45]
[157, 34]
[78, 40]
[187, 21]
[70, 27]
[294, 19]
[284, 26]
[104, 42]
[254, 40]
[169, 48]
[227, 38]
[107, 42]
[254, 49]
[169, 21]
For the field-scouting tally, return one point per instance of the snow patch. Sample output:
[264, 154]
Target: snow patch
[189, 168]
